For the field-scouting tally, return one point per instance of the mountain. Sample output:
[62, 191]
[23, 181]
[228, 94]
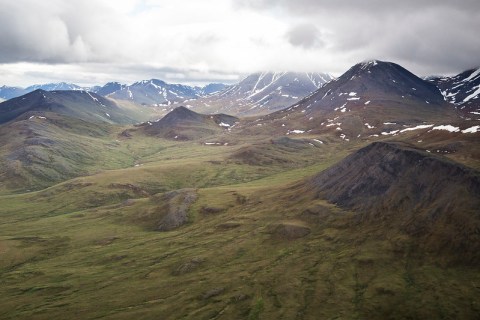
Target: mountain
[463, 90]
[370, 98]
[11, 92]
[210, 88]
[43, 148]
[154, 92]
[427, 196]
[378, 82]
[77, 104]
[54, 87]
[109, 88]
[261, 93]
[185, 124]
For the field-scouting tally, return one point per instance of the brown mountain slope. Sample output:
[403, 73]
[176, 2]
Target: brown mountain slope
[425, 195]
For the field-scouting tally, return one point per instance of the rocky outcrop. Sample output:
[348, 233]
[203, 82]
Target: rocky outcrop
[176, 205]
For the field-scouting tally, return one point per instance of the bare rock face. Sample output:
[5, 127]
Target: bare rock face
[176, 205]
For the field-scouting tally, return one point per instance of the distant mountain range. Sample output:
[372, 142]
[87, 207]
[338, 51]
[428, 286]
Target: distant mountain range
[261, 93]
[13, 92]
[147, 92]
[155, 92]
[258, 93]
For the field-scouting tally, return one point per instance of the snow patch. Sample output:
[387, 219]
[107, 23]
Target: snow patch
[472, 129]
[390, 133]
[422, 126]
[333, 124]
[295, 131]
[473, 95]
[447, 127]
[473, 75]
[369, 126]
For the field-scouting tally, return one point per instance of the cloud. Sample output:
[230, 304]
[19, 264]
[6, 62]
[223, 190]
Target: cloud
[304, 35]
[430, 36]
[105, 40]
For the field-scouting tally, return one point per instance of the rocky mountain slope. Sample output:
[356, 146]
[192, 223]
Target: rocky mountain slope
[261, 93]
[425, 195]
[154, 91]
[463, 90]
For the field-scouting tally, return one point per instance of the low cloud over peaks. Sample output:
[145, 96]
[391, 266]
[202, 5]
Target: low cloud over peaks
[305, 35]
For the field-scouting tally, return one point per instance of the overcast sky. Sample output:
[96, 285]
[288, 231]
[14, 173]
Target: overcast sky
[198, 41]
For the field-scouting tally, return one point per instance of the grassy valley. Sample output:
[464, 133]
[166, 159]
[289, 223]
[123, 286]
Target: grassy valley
[252, 246]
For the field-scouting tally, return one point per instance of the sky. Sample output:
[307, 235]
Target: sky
[91, 42]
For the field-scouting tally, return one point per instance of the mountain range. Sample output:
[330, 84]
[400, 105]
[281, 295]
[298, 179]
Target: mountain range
[149, 92]
[370, 99]
[258, 93]
[263, 93]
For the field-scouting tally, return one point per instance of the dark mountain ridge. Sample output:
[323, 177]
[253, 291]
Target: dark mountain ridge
[375, 82]
[425, 195]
